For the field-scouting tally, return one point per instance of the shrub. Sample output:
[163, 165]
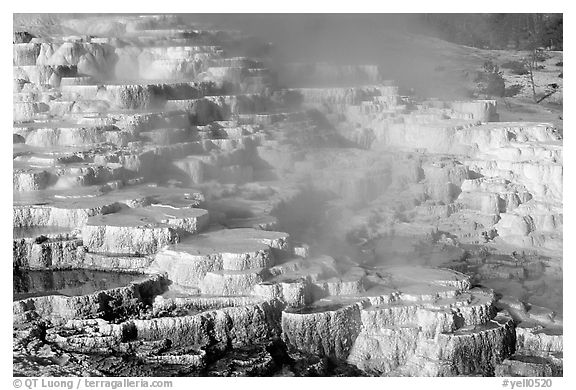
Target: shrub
[541, 55]
[516, 67]
[513, 90]
[490, 81]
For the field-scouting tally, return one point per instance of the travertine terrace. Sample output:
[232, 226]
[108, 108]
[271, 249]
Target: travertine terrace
[178, 211]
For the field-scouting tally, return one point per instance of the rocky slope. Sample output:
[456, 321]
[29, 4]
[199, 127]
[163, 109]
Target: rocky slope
[229, 225]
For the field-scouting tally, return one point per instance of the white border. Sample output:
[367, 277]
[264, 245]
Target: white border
[297, 6]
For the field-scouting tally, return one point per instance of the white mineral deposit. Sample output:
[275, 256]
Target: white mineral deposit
[191, 200]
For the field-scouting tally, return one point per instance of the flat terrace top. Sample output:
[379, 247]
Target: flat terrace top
[329, 304]
[52, 124]
[241, 240]
[515, 125]
[145, 216]
[93, 196]
[449, 124]
[21, 149]
[419, 275]
[134, 82]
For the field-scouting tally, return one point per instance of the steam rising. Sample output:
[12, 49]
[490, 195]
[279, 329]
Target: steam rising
[401, 46]
[398, 43]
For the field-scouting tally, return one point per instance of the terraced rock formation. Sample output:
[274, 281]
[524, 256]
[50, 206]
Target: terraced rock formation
[177, 211]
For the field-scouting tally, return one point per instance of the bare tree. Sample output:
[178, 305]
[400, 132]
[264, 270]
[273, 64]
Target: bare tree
[535, 31]
[530, 64]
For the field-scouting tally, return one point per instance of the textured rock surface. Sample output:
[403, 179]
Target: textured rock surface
[141, 231]
[237, 256]
[101, 304]
[323, 226]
